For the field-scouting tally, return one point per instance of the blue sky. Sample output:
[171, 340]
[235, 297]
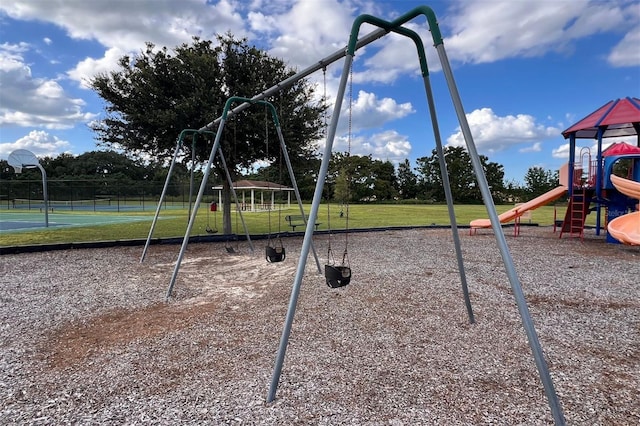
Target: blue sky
[525, 69]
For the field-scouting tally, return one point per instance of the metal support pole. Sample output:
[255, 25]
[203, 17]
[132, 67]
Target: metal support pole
[192, 219]
[285, 154]
[599, 180]
[164, 192]
[45, 194]
[192, 172]
[447, 191]
[516, 287]
[306, 244]
[572, 163]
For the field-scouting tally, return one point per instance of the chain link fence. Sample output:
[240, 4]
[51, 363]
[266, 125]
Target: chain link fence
[96, 195]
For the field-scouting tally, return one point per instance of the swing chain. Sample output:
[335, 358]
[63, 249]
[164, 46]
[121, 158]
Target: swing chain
[346, 234]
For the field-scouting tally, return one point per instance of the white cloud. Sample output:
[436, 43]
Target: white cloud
[389, 145]
[587, 147]
[128, 25]
[88, 68]
[561, 152]
[627, 52]
[484, 31]
[34, 102]
[304, 37]
[371, 112]
[11, 54]
[41, 143]
[386, 146]
[492, 133]
[536, 147]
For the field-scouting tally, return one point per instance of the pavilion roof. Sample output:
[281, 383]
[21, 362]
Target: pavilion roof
[258, 184]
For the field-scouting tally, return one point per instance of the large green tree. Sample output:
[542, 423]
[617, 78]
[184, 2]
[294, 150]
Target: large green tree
[365, 178]
[407, 180]
[156, 94]
[539, 180]
[464, 186]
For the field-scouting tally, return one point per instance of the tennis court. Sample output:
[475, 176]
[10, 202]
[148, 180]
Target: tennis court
[28, 221]
[91, 205]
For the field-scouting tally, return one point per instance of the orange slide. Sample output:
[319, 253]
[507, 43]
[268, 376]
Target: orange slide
[626, 228]
[518, 211]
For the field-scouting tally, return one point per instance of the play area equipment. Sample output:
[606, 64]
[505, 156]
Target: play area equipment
[192, 211]
[216, 148]
[275, 251]
[626, 228]
[339, 274]
[588, 179]
[515, 213]
[213, 207]
[24, 159]
[383, 28]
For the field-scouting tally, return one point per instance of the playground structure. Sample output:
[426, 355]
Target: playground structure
[192, 212]
[385, 27]
[518, 211]
[588, 181]
[626, 228]
[272, 253]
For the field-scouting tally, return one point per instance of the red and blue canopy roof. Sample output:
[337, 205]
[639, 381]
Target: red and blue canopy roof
[615, 118]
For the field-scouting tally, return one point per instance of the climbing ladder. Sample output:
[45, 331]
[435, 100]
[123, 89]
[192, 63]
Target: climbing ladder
[577, 212]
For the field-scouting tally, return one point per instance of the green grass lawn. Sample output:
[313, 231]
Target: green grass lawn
[173, 223]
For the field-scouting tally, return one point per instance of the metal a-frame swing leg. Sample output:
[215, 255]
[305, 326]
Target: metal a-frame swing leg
[162, 195]
[294, 183]
[516, 287]
[192, 219]
[207, 171]
[179, 143]
[447, 191]
[287, 161]
[534, 343]
[306, 244]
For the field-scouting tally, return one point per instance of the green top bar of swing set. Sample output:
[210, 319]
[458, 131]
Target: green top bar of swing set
[231, 100]
[389, 27]
[186, 132]
[395, 25]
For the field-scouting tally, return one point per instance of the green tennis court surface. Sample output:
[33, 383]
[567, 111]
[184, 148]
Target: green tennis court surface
[16, 222]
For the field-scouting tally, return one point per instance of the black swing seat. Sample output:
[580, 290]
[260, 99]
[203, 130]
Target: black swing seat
[275, 254]
[210, 230]
[337, 276]
[227, 246]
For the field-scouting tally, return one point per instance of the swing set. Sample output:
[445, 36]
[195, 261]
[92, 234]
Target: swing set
[273, 252]
[213, 207]
[192, 210]
[383, 28]
[339, 274]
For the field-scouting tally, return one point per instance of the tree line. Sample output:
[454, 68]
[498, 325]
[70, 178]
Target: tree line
[351, 178]
[153, 95]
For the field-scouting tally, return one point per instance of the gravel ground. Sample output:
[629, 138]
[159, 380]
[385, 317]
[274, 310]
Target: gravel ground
[87, 337]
